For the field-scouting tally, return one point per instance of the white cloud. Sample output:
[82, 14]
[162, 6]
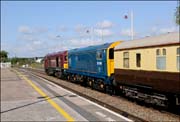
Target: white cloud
[76, 43]
[72, 44]
[101, 29]
[27, 37]
[55, 37]
[127, 32]
[156, 30]
[80, 28]
[24, 29]
[166, 30]
[32, 41]
[103, 32]
[62, 28]
[28, 30]
[37, 42]
[40, 30]
[104, 24]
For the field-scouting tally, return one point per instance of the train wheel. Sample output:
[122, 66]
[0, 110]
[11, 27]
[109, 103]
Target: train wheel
[74, 78]
[117, 90]
[83, 81]
[91, 84]
[48, 72]
[59, 74]
[68, 78]
[102, 87]
[172, 103]
[109, 90]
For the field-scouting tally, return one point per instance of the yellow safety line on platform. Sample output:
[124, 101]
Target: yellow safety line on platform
[50, 101]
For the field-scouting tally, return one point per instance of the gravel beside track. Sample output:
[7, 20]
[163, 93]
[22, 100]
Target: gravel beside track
[117, 104]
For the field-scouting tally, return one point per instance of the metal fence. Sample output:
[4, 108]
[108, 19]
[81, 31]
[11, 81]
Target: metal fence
[5, 65]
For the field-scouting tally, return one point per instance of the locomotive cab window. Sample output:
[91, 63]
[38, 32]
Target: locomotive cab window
[178, 58]
[65, 58]
[111, 53]
[138, 60]
[99, 55]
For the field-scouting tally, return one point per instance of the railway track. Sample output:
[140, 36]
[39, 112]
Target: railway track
[118, 104]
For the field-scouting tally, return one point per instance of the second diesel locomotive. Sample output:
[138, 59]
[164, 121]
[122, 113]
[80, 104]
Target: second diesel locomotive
[56, 63]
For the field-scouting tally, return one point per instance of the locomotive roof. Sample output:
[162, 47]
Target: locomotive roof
[55, 53]
[89, 48]
[164, 39]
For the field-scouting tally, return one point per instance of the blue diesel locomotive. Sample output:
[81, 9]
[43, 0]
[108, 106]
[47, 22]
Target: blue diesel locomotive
[93, 65]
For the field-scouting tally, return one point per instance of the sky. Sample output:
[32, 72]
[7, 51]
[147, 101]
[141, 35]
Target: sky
[36, 28]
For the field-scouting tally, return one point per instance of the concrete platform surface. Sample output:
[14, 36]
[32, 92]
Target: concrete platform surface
[22, 100]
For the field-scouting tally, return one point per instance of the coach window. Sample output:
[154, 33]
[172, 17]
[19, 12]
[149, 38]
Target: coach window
[164, 52]
[178, 58]
[158, 52]
[161, 59]
[138, 59]
[111, 53]
[126, 59]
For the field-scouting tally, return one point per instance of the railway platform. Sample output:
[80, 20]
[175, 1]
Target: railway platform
[26, 97]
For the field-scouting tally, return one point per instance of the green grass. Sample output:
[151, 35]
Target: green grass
[37, 65]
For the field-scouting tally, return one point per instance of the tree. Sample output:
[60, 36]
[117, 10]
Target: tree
[4, 56]
[14, 60]
[177, 14]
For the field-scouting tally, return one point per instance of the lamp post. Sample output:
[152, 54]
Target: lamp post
[91, 31]
[58, 36]
[132, 25]
[102, 34]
